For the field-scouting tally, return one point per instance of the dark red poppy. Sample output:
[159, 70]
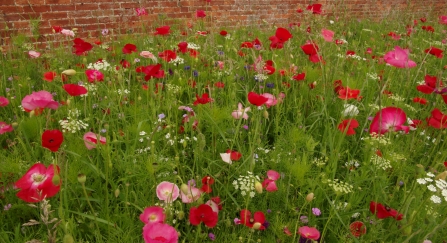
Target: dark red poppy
[337, 86]
[81, 47]
[124, 63]
[350, 53]
[434, 51]
[49, 76]
[347, 126]
[384, 211]
[256, 99]
[357, 228]
[223, 33]
[74, 89]
[167, 55]
[205, 99]
[422, 20]
[183, 47]
[164, 30]
[200, 14]
[129, 48]
[52, 139]
[203, 213]
[247, 44]
[428, 28]
[255, 222]
[207, 181]
[315, 8]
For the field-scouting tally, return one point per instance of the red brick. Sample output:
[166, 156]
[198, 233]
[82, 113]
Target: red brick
[80, 14]
[54, 15]
[64, 23]
[109, 6]
[63, 7]
[58, 1]
[36, 8]
[21, 25]
[10, 9]
[87, 6]
[24, 2]
[129, 5]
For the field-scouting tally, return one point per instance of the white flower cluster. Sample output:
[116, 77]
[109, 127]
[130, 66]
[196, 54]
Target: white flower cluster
[184, 141]
[320, 162]
[339, 186]
[339, 205]
[121, 92]
[375, 139]
[380, 162]
[177, 60]
[100, 65]
[396, 98]
[193, 46]
[173, 88]
[91, 89]
[260, 77]
[246, 184]
[350, 110]
[373, 76]
[71, 124]
[352, 163]
[437, 186]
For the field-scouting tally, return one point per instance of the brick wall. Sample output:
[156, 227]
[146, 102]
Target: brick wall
[35, 17]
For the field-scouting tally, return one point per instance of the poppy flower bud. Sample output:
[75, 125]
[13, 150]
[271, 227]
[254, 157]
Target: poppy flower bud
[56, 179]
[82, 178]
[265, 114]
[407, 230]
[441, 176]
[15, 124]
[117, 192]
[68, 239]
[257, 225]
[31, 114]
[310, 197]
[84, 60]
[181, 215]
[69, 72]
[184, 188]
[258, 187]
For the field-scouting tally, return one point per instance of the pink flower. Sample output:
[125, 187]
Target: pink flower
[41, 99]
[34, 54]
[148, 54]
[269, 183]
[190, 194]
[271, 99]
[153, 215]
[328, 35]
[37, 183]
[214, 206]
[389, 119]
[3, 101]
[241, 112]
[140, 11]
[167, 191]
[5, 127]
[158, 233]
[68, 32]
[309, 232]
[94, 75]
[399, 58]
[443, 20]
[91, 139]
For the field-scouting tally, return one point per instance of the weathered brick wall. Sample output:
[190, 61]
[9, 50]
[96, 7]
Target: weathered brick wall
[91, 16]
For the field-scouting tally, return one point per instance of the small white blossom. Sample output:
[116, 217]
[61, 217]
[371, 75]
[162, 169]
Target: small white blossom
[435, 199]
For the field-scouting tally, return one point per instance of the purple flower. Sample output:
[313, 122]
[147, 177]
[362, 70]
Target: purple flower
[105, 32]
[211, 236]
[304, 219]
[316, 211]
[161, 116]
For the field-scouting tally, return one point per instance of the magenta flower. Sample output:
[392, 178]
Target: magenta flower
[389, 119]
[443, 19]
[269, 184]
[309, 232]
[33, 54]
[3, 101]
[37, 183]
[271, 99]
[5, 127]
[328, 35]
[140, 11]
[158, 232]
[399, 58]
[167, 191]
[94, 75]
[41, 99]
[241, 112]
[91, 139]
[153, 215]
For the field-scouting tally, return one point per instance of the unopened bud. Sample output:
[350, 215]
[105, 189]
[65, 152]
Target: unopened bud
[441, 176]
[117, 192]
[82, 178]
[181, 215]
[265, 114]
[310, 197]
[15, 124]
[69, 72]
[258, 187]
[185, 189]
[56, 179]
[68, 239]
[31, 114]
[257, 225]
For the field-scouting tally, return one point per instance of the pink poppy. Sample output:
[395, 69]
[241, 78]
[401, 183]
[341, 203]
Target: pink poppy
[140, 11]
[67, 32]
[443, 20]
[94, 75]
[399, 58]
[37, 183]
[241, 112]
[5, 127]
[328, 35]
[167, 191]
[3, 101]
[271, 99]
[189, 194]
[309, 232]
[41, 99]
[34, 54]
[158, 232]
[269, 183]
[148, 54]
[154, 214]
[91, 139]
[389, 119]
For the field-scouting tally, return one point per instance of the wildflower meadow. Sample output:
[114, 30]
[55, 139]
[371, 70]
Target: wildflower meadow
[325, 130]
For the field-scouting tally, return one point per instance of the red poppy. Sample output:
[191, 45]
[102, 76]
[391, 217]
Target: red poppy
[220, 85]
[247, 44]
[74, 89]
[350, 53]
[422, 20]
[203, 213]
[428, 28]
[129, 48]
[207, 181]
[183, 47]
[223, 33]
[384, 211]
[281, 36]
[420, 100]
[432, 85]
[217, 201]
[193, 53]
[81, 46]
[167, 55]
[56, 29]
[337, 86]
[164, 30]
[310, 49]
[200, 14]
[205, 99]
[234, 155]
[255, 222]
[347, 93]
[438, 119]
[347, 126]
[52, 139]
[152, 71]
[315, 8]
[357, 228]
[49, 76]
[256, 99]
[434, 51]
[299, 77]
[37, 183]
